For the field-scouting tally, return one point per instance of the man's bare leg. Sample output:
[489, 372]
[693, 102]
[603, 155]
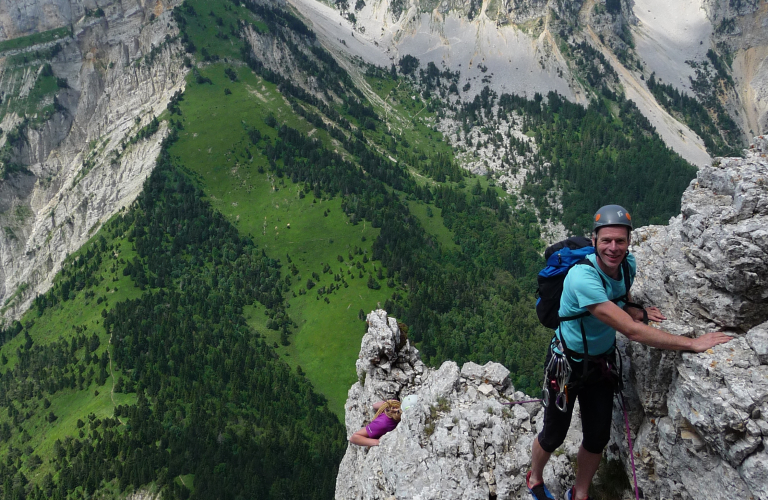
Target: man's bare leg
[588, 464]
[538, 460]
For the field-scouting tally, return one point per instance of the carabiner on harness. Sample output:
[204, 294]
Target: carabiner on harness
[561, 402]
[556, 377]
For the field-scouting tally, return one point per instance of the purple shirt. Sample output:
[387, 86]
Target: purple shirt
[380, 426]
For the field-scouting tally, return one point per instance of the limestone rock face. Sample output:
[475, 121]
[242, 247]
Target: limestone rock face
[458, 441]
[79, 166]
[701, 419]
[26, 17]
[746, 38]
[142, 495]
[699, 422]
[19, 18]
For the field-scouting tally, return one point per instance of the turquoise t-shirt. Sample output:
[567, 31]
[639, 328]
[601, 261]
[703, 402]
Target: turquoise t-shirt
[582, 288]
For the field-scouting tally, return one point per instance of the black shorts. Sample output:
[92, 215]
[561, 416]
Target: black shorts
[596, 403]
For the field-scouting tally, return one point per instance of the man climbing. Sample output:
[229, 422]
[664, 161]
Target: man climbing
[594, 304]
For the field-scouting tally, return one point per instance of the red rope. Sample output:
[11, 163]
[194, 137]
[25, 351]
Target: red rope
[629, 440]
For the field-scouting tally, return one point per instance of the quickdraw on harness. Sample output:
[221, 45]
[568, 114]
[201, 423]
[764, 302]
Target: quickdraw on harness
[556, 377]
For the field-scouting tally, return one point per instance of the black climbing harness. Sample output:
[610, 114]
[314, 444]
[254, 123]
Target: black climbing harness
[559, 376]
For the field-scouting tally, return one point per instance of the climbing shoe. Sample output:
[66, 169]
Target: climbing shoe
[571, 495]
[538, 491]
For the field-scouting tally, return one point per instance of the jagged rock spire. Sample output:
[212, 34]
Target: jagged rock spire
[459, 441]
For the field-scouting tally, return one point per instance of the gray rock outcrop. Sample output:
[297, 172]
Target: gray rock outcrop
[701, 419]
[458, 441]
[699, 422]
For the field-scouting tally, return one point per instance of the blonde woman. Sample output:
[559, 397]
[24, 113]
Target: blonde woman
[387, 417]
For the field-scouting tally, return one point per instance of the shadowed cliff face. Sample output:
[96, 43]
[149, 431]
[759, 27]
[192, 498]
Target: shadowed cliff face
[26, 17]
[699, 421]
[73, 163]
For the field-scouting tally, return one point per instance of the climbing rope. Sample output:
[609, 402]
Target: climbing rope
[510, 403]
[629, 442]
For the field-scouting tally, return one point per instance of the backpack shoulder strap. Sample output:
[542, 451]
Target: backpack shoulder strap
[625, 272]
[627, 285]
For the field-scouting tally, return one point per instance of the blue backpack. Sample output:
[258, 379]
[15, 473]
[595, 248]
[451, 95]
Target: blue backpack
[561, 257]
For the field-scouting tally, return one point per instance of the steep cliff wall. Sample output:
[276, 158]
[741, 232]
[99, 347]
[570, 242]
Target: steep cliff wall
[702, 419]
[78, 166]
[699, 421]
[20, 18]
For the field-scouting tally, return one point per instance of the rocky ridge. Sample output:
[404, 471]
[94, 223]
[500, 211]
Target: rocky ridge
[517, 47]
[80, 166]
[696, 414]
[699, 422]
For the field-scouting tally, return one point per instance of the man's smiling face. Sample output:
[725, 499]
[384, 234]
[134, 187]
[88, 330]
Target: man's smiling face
[611, 245]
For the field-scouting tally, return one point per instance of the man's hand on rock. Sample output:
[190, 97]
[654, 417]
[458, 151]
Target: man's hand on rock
[654, 314]
[709, 340]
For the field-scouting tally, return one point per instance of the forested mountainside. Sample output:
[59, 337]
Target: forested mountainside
[202, 342]
[169, 387]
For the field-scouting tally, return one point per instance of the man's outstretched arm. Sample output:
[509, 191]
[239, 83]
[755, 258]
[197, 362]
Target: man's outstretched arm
[615, 317]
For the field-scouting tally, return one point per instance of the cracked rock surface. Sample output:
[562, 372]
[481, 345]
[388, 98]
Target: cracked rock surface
[80, 166]
[701, 419]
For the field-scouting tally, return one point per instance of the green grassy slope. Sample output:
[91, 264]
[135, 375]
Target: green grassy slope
[226, 143]
[274, 212]
[35, 39]
[45, 328]
[139, 369]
